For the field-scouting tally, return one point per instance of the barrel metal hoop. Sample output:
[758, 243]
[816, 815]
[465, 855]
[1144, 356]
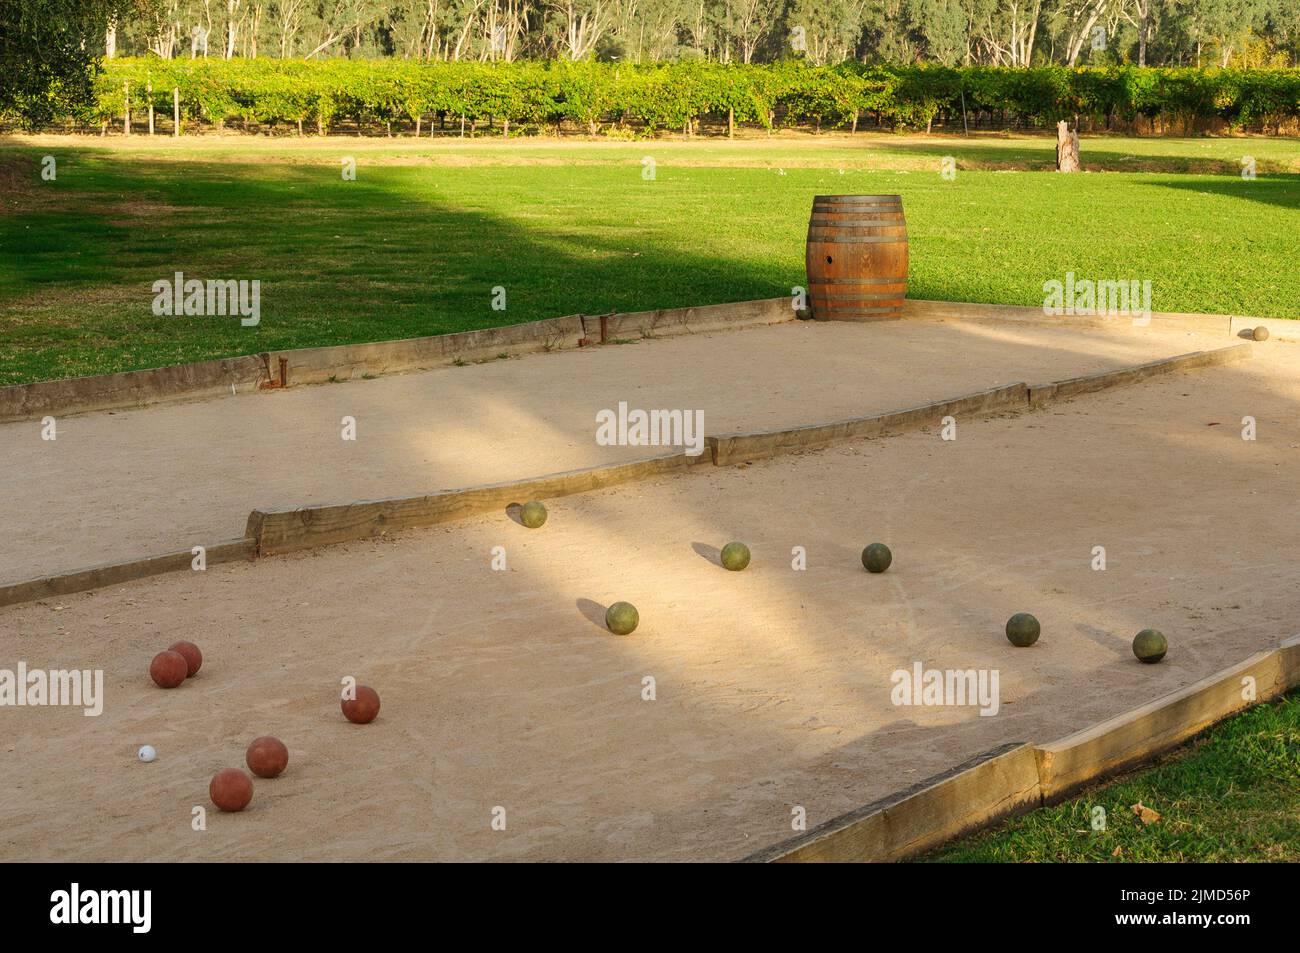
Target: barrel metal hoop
[858, 281]
[857, 198]
[858, 312]
[856, 239]
[883, 296]
[896, 210]
[858, 223]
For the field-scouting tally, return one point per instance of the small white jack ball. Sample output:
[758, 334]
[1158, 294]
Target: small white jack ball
[147, 754]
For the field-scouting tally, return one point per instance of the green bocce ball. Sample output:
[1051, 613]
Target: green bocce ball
[1023, 630]
[1150, 646]
[621, 618]
[877, 557]
[735, 556]
[532, 514]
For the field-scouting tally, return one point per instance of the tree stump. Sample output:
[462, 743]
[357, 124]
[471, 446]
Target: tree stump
[1067, 148]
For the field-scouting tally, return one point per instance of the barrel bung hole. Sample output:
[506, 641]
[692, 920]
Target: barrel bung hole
[828, 259]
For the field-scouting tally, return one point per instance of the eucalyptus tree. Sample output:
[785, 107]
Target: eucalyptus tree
[50, 51]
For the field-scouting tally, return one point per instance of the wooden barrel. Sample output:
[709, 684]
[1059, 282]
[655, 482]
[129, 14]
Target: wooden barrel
[857, 257]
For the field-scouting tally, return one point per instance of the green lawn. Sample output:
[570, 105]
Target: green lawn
[417, 243]
[1234, 795]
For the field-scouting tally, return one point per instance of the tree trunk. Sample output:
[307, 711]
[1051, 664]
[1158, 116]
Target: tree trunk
[1067, 148]
[1144, 26]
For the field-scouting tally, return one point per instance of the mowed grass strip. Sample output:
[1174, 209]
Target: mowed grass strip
[1232, 795]
[419, 241]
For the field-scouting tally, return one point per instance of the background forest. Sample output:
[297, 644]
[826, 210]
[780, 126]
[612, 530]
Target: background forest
[1236, 33]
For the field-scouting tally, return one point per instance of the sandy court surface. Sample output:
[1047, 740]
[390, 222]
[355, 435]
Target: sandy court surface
[117, 486]
[772, 686]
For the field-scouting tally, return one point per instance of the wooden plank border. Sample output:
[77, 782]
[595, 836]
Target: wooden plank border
[1001, 313]
[133, 388]
[1089, 383]
[769, 443]
[974, 794]
[112, 574]
[289, 529]
[1143, 734]
[1016, 778]
[341, 362]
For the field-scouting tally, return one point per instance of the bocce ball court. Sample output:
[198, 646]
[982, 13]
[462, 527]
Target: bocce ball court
[741, 696]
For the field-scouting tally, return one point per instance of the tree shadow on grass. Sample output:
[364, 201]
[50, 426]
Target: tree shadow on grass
[400, 252]
[1280, 190]
[1098, 154]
